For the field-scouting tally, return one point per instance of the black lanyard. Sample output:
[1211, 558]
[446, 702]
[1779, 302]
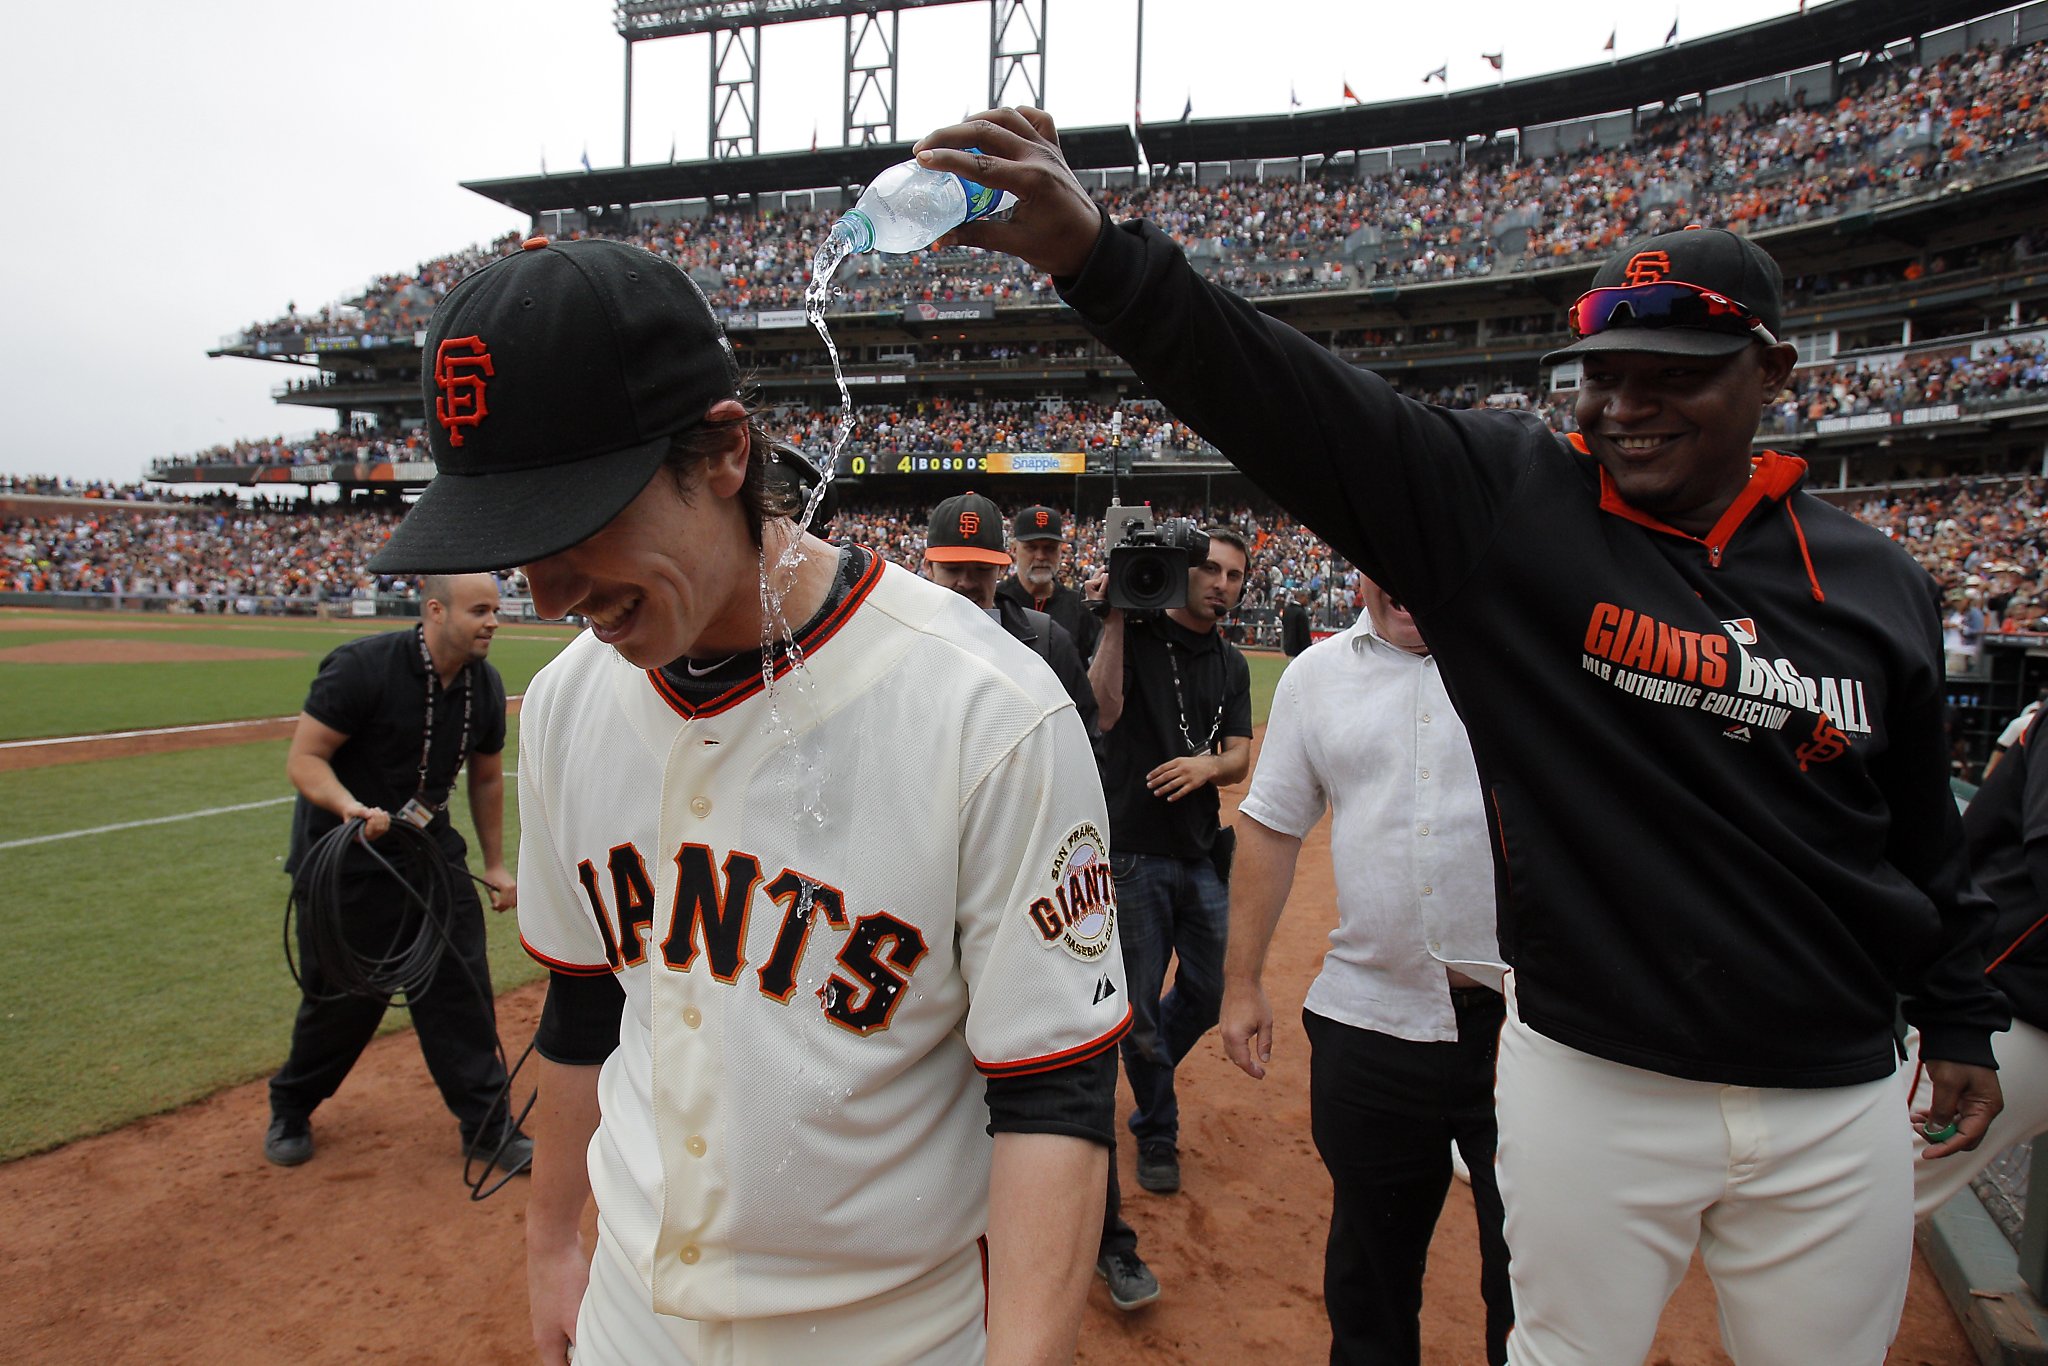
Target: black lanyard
[427, 730]
[1207, 746]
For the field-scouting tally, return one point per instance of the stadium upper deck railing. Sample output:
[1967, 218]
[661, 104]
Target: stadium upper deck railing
[1315, 269]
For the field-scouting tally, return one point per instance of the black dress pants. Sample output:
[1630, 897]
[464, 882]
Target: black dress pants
[453, 1015]
[1385, 1112]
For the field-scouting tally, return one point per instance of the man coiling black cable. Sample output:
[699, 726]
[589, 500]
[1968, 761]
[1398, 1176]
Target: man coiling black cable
[388, 724]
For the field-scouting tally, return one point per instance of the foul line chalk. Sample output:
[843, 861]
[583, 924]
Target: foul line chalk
[161, 820]
[136, 825]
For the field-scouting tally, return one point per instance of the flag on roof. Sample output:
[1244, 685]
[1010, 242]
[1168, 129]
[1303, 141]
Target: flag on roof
[1442, 73]
[1493, 58]
[1349, 93]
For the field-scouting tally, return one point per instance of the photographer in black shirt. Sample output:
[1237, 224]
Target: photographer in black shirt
[1175, 713]
[389, 722]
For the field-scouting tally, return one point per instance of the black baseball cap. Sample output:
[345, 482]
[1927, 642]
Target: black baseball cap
[1037, 523]
[554, 381]
[1711, 258]
[966, 529]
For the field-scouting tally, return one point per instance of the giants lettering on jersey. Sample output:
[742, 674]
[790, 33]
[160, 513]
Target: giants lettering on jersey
[708, 918]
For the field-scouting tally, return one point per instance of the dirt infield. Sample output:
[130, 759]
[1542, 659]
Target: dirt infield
[112, 650]
[173, 1241]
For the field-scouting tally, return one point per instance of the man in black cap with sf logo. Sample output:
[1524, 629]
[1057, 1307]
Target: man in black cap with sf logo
[1038, 543]
[815, 858]
[1707, 710]
[963, 551]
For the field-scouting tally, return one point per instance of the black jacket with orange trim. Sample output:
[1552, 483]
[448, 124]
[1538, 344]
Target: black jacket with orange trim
[1715, 769]
[2007, 830]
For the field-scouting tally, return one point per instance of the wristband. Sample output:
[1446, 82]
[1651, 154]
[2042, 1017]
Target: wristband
[1938, 1133]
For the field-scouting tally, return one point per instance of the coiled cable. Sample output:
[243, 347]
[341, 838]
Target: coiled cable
[406, 963]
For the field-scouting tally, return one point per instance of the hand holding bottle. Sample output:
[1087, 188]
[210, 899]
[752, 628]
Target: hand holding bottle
[1054, 224]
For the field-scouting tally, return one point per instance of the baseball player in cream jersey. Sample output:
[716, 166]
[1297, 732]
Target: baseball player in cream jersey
[820, 915]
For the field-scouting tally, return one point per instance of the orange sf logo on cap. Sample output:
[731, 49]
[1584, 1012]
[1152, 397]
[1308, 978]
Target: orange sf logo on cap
[1042, 517]
[1647, 267]
[461, 365]
[970, 523]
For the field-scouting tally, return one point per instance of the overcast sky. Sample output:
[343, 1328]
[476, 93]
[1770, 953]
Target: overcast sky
[181, 170]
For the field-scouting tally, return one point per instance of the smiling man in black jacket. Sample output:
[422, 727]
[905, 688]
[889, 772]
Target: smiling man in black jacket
[1707, 712]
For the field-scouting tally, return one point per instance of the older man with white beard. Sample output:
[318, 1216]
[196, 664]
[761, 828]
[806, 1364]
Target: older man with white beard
[1037, 544]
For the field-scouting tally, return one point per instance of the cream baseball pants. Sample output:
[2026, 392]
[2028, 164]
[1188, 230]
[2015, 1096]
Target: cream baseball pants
[936, 1320]
[1799, 1201]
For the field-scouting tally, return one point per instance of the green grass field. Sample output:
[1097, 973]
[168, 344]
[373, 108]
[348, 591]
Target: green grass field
[146, 964]
[39, 700]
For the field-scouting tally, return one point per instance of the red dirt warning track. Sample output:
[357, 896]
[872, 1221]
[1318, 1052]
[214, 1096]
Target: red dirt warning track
[172, 1240]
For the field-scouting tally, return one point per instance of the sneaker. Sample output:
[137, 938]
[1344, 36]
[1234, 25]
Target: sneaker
[289, 1141]
[1159, 1170]
[1131, 1282]
[515, 1157]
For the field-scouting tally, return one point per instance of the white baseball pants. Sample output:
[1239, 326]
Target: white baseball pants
[936, 1320]
[2022, 1076]
[1799, 1201]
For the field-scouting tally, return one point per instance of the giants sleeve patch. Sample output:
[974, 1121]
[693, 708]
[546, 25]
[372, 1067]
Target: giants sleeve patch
[1080, 914]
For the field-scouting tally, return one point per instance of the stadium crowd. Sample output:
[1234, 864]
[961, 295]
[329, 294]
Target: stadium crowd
[206, 559]
[2009, 370]
[1894, 130]
[1984, 541]
[2016, 370]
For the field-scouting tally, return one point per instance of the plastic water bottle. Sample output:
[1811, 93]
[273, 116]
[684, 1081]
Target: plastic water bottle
[910, 206]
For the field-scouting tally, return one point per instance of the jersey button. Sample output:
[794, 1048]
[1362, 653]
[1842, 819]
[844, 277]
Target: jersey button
[689, 1254]
[1424, 775]
[692, 1016]
[696, 1145]
[700, 807]
[1425, 889]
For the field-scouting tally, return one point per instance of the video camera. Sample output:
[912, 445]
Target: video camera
[1148, 560]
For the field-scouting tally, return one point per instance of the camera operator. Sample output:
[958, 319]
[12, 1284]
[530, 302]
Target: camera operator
[1175, 712]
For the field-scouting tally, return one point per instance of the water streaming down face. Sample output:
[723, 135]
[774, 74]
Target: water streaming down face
[801, 775]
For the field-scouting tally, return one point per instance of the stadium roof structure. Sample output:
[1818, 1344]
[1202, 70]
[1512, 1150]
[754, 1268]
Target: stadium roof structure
[640, 20]
[1789, 43]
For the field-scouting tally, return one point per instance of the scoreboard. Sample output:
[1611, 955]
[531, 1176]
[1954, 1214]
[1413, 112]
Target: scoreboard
[861, 464]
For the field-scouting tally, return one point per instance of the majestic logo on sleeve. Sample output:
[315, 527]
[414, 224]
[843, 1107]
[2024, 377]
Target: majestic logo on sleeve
[1646, 267]
[1716, 673]
[1080, 915]
[461, 367]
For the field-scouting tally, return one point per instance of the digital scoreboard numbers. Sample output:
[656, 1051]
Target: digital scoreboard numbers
[860, 464]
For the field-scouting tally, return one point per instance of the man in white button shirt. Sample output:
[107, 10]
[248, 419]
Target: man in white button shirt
[1404, 1017]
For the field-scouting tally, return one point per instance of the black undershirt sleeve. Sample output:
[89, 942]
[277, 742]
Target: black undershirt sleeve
[579, 1022]
[1078, 1100]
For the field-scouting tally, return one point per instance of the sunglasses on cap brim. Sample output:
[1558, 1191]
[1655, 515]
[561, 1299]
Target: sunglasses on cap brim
[1667, 303]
